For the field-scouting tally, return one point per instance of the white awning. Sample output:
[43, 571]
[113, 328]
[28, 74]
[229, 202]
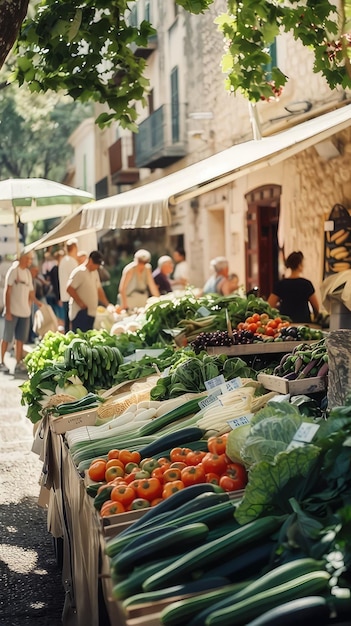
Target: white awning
[69, 227]
[147, 205]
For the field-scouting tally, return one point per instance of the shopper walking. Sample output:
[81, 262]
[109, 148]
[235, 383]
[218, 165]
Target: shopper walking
[161, 275]
[85, 291]
[18, 297]
[68, 263]
[137, 283]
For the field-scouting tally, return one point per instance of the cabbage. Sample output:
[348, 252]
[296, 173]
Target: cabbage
[236, 440]
[74, 389]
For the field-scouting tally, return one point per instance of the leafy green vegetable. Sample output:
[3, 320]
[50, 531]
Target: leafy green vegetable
[272, 483]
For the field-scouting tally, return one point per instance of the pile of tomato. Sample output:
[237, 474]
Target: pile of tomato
[263, 325]
[129, 482]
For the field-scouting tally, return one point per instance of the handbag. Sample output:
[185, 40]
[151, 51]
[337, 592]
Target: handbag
[44, 320]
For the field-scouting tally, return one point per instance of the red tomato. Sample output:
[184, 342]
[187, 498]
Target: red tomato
[163, 460]
[213, 478]
[179, 464]
[126, 456]
[112, 454]
[97, 471]
[179, 454]
[149, 488]
[195, 457]
[217, 444]
[171, 474]
[170, 488]
[214, 463]
[117, 481]
[111, 507]
[193, 474]
[234, 478]
[113, 472]
[158, 472]
[112, 462]
[124, 494]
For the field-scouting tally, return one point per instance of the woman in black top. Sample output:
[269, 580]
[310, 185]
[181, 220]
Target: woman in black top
[293, 295]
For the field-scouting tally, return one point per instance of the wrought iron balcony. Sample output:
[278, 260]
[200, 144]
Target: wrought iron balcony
[161, 139]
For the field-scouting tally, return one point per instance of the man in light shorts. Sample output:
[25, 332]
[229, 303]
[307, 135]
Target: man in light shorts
[18, 298]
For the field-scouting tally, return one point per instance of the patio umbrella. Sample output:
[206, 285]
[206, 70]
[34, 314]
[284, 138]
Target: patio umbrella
[31, 199]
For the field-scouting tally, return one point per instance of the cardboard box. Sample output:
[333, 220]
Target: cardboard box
[64, 423]
[294, 387]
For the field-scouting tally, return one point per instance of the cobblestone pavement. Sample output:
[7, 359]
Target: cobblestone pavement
[31, 591]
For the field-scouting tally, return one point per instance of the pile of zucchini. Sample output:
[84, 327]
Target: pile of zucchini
[222, 574]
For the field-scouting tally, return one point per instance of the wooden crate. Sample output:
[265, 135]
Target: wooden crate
[293, 387]
[64, 423]
[260, 347]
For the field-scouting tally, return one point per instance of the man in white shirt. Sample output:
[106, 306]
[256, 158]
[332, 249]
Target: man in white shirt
[18, 298]
[67, 264]
[85, 291]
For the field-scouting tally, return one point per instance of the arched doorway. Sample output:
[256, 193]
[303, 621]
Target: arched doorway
[262, 249]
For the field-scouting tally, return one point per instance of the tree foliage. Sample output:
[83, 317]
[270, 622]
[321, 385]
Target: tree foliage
[85, 48]
[34, 129]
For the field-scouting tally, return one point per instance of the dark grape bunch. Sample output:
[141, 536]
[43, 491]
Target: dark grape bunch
[222, 338]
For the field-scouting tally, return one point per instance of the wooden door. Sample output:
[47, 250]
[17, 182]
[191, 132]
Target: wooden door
[262, 250]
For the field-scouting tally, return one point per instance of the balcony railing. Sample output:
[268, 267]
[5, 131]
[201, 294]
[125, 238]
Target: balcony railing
[144, 52]
[161, 139]
[122, 162]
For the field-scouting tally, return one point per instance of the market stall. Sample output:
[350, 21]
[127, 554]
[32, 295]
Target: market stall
[183, 396]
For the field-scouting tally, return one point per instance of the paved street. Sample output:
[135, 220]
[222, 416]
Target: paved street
[31, 591]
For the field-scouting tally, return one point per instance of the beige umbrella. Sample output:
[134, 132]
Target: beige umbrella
[31, 199]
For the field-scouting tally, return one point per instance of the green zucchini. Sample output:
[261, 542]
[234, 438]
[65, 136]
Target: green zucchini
[103, 496]
[245, 563]
[180, 612]
[171, 504]
[129, 585]
[196, 610]
[209, 552]
[281, 574]
[302, 611]
[185, 409]
[93, 488]
[171, 539]
[241, 612]
[177, 438]
[195, 586]
[213, 514]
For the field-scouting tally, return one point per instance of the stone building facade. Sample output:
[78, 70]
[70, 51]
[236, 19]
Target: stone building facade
[264, 213]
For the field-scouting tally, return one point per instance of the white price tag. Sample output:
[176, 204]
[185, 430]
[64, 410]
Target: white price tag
[243, 420]
[230, 385]
[203, 312]
[214, 382]
[306, 432]
[206, 402]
